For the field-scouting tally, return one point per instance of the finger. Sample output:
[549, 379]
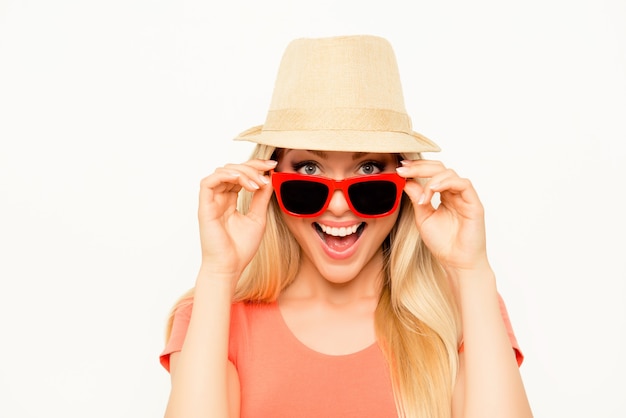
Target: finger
[422, 208]
[420, 168]
[252, 175]
[259, 204]
[456, 187]
[218, 194]
[421, 190]
[414, 189]
[219, 191]
[232, 179]
[432, 185]
[249, 180]
[255, 164]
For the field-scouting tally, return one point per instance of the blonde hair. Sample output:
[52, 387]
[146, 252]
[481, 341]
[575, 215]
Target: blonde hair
[417, 320]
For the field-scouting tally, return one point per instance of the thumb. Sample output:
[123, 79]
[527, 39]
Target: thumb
[260, 202]
[421, 199]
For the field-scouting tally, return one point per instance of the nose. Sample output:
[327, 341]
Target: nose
[338, 204]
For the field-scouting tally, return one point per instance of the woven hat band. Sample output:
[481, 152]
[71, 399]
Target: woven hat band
[350, 119]
[339, 94]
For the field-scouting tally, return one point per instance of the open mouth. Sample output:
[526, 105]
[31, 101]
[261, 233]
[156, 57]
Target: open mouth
[339, 238]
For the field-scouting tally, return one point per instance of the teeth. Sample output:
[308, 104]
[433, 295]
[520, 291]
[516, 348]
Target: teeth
[339, 232]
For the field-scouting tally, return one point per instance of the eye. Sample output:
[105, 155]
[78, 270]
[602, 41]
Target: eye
[371, 167]
[306, 167]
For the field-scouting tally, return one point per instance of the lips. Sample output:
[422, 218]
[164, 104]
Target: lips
[339, 231]
[339, 239]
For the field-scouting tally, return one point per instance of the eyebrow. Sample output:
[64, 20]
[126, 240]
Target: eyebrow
[324, 155]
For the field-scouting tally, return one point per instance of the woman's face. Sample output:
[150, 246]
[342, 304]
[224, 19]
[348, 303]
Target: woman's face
[338, 243]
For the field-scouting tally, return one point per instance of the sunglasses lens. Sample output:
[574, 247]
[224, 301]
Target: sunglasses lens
[303, 197]
[373, 197]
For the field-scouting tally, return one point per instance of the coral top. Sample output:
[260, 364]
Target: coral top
[281, 377]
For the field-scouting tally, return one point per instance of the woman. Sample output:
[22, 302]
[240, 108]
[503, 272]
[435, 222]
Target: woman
[336, 288]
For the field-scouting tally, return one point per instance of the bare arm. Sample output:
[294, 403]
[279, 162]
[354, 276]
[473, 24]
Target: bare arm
[199, 372]
[204, 383]
[233, 387]
[489, 383]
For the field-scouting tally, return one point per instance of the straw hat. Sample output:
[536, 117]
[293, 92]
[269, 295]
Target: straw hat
[339, 94]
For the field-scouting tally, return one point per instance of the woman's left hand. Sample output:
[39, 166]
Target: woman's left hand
[454, 231]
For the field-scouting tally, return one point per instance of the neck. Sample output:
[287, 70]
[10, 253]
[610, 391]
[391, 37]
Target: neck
[337, 286]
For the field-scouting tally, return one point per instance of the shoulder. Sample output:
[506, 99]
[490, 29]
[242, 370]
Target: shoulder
[249, 321]
[246, 314]
[239, 310]
[250, 325]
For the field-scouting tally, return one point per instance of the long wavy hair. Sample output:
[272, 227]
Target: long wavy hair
[417, 319]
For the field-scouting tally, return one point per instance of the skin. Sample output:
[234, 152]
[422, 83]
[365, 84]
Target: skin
[330, 305]
[341, 292]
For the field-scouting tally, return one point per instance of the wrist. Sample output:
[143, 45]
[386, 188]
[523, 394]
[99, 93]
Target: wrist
[480, 272]
[217, 277]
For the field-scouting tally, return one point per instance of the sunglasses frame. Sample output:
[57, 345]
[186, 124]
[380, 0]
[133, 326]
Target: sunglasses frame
[278, 178]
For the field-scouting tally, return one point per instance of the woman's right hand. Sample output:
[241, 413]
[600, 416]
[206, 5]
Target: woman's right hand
[229, 239]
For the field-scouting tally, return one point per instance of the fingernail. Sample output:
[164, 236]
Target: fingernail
[264, 179]
[422, 199]
[434, 186]
[402, 170]
[253, 184]
[271, 162]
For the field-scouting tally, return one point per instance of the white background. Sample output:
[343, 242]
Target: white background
[112, 111]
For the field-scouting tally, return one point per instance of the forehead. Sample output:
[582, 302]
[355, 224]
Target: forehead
[327, 155]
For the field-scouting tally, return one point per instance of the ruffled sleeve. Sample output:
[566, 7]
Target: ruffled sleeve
[180, 324]
[519, 356]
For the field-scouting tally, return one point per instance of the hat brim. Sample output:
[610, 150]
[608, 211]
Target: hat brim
[341, 140]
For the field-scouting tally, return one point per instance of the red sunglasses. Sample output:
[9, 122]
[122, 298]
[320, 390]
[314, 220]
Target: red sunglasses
[369, 196]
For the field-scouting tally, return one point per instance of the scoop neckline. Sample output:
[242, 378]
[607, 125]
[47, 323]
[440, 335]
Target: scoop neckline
[297, 342]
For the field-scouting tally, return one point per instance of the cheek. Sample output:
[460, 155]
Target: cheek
[280, 166]
[297, 226]
[304, 232]
[386, 224]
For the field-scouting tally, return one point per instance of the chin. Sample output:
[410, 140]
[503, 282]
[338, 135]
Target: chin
[345, 273]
